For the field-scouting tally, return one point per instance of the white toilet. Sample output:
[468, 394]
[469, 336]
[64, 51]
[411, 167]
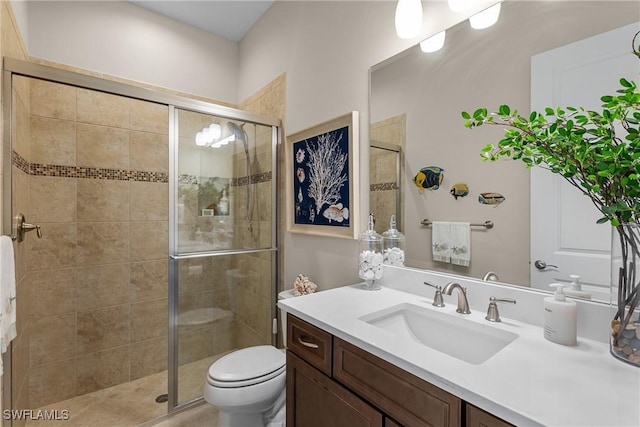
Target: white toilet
[248, 385]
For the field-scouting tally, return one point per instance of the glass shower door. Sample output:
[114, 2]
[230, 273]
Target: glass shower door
[223, 251]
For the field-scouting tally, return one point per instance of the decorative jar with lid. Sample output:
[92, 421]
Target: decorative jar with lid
[370, 257]
[393, 245]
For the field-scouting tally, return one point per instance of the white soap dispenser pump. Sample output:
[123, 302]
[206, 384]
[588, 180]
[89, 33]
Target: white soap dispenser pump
[560, 317]
[576, 288]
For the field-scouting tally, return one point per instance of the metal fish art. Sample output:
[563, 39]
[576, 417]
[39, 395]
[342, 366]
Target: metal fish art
[429, 177]
[491, 198]
[459, 190]
[336, 213]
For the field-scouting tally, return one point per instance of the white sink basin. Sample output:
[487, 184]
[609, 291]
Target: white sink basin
[451, 334]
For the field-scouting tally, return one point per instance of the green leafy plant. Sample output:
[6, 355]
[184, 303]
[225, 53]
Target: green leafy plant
[598, 152]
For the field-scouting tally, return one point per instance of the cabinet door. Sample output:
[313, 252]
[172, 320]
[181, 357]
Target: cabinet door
[410, 400]
[315, 400]
[478, 418]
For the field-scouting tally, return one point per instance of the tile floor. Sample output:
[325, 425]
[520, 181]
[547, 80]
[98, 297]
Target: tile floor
[132, 404]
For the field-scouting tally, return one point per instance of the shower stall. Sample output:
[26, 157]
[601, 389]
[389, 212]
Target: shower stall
[157, 252]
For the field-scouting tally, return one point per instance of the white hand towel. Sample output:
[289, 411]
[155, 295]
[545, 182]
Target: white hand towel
[7, 294]
[460, 243]
[441, 241]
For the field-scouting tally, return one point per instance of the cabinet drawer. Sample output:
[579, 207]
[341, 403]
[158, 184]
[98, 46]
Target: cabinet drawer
[406, 398]
[476, 417]
[310, 343]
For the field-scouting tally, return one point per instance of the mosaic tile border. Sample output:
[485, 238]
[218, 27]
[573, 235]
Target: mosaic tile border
[255, 179]
[384, 186]
[39, 169]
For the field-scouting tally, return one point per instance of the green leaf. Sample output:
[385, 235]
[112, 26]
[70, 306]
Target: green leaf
[549, 111]
[626, 83]
[602, 220]
[504, 110]
[466, 115]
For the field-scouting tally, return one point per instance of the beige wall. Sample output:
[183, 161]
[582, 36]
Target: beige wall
[124, 40]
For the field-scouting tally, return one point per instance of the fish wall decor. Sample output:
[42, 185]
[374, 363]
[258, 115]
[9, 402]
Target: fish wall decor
[459, 190]
[429, 177]
[491, 198]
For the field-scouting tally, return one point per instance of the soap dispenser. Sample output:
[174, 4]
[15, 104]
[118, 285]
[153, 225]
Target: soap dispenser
[576, 288]
[560, 317]
[393, 242]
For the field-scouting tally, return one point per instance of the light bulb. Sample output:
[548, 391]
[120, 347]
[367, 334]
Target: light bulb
[486, 18]
[201, 140]
[433, 43]
[408, 18]
[459, 5]
[216, 130]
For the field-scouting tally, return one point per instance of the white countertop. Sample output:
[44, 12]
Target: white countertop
[531, 381]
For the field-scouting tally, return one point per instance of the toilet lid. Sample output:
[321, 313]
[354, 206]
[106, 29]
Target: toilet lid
[247, 363]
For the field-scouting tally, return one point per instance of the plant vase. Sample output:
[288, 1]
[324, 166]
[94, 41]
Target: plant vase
[625, 297]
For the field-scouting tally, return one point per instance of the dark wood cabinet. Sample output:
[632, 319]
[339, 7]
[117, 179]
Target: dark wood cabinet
[315, 400]
[408, 399]
[332, 383]
[476, 417]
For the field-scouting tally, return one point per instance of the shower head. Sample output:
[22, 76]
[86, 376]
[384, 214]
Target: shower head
[238, 132]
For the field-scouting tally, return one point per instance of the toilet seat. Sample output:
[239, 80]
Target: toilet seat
[247, 366]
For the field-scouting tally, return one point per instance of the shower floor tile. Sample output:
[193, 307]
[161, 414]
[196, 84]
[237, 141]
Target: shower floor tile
[133, 403]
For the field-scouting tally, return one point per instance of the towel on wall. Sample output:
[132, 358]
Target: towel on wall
[441, 241]
[7, 294]
[460, 243]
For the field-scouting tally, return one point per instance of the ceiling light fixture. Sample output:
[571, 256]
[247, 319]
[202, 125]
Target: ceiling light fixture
[208, 134]
[486, 18]
[408, 18]
[224, 141]
[433, 43]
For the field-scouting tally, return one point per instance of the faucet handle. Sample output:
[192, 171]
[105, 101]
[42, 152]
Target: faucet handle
[492, 312]
[438, 301]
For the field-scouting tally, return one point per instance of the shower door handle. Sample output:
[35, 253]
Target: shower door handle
[23, 227]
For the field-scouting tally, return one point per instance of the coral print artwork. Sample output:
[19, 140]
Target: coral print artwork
[321, 182]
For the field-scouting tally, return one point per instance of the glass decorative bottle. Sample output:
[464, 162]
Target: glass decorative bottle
[393, 245]
[370, 257]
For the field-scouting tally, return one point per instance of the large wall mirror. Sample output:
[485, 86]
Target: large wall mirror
[422, 95]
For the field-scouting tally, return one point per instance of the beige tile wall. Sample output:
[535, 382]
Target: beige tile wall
[383, 169]
[255, 302]
[97, 279]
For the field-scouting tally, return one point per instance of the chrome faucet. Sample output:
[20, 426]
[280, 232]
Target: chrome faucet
[463, 303]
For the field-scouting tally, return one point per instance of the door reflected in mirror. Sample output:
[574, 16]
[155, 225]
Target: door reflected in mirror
[487, 68]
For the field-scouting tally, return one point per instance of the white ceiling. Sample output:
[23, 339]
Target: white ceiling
[230, 19]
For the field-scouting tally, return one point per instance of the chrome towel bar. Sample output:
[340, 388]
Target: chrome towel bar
[487, 224]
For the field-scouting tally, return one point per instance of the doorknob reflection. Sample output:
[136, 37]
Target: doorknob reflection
[541, 265]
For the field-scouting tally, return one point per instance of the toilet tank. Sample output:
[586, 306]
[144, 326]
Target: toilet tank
[283, 318]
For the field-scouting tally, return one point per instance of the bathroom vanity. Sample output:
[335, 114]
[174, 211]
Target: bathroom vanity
[347, 366]
[332, 382]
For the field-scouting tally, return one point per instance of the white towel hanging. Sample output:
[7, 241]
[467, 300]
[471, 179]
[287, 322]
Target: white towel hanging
[441, 241]
[461, 243]
[7, 294]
